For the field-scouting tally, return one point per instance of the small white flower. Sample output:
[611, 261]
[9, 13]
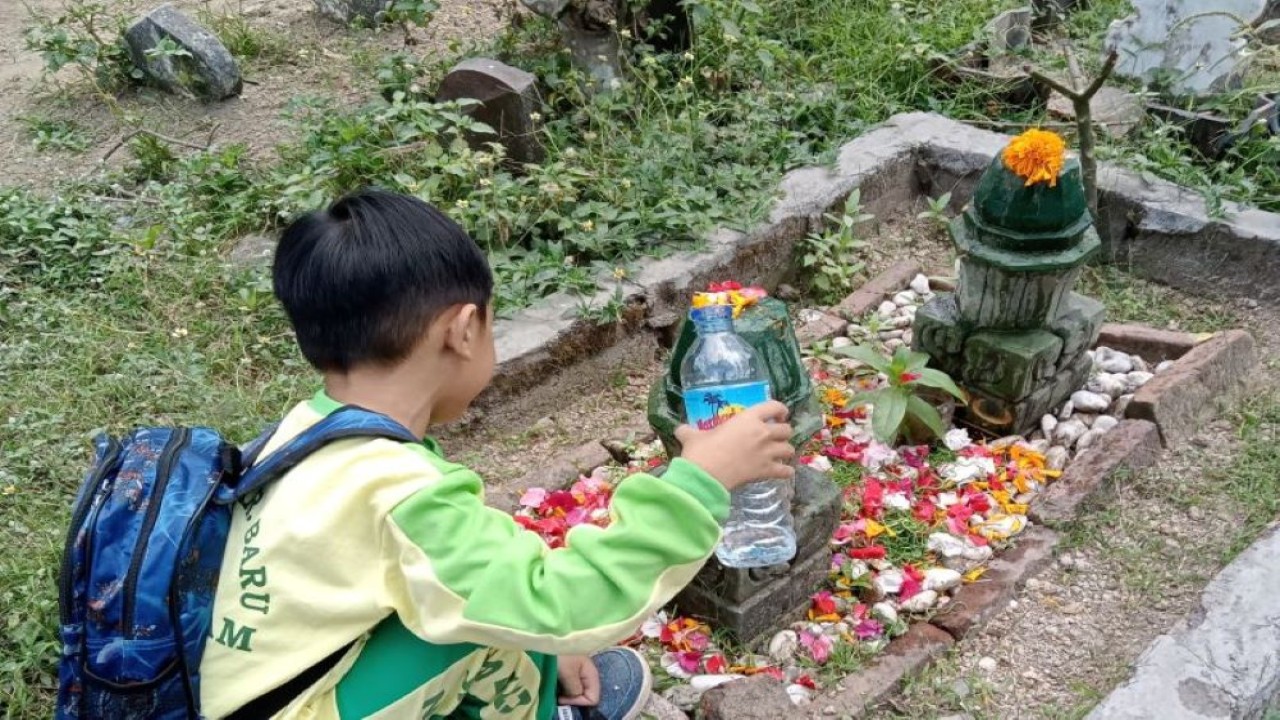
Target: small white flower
[536, 117]
[688, 56]
[624, 34]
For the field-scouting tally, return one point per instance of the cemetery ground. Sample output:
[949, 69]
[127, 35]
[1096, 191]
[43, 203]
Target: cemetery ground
[107, 322]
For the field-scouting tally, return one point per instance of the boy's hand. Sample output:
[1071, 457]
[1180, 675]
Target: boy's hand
[579, 681]
[753, 445]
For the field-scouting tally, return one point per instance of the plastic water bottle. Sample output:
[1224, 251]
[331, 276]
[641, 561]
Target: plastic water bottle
[722, 376]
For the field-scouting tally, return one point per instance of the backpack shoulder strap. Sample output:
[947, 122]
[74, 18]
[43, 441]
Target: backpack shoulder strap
[346, 422]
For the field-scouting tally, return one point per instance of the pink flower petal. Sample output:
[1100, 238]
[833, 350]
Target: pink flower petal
[533, 497]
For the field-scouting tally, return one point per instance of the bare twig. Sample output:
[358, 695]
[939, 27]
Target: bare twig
[164, 138]
[1080, 103]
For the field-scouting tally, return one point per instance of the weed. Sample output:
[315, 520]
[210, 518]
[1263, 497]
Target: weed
[937, 211]
[248, 42]
[56, 134]
[88, 37]
[833, 255]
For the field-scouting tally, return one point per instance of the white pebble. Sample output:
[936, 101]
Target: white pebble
[902, 321]
[1107, 384]
[1085, 401]
[920, 284]
[889, 581]
[893, 344]
[1067, 433]
[1135, 380]
[1121, 405]
[1088, 439]
[920, 602]
[1047, 424]
[1066, 411]
[1164, 366]
[1104, 423]
[890, 334]
[987, 664]
[1041, 446]
[885, 612]
[887, 308]
[940, 579]
[839, 342]
[906, 297]
[704, 683]
[1139, 365]
[1056, 458]
[783, 646]
[1108, 360]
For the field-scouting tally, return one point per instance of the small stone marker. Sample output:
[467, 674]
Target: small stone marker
[201, 65]
[1187, 45]
[509, 102]
[369, 12]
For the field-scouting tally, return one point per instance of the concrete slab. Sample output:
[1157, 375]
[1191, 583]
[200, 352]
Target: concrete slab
[1221, 661]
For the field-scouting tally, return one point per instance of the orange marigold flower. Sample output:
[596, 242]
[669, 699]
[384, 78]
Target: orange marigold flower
[1036, 156]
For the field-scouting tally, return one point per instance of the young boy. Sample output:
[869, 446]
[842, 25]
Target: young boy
[371, 580]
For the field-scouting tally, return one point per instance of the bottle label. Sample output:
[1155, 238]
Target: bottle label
[707, 407]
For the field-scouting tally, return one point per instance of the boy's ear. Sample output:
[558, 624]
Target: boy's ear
[462, 330]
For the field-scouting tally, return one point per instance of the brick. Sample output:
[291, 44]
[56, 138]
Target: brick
[754, 698]
[820, 327]
[1151, 344]
[872, 685]
[877, 290]
[976, 603]
[1179, 399]
[1132, 445]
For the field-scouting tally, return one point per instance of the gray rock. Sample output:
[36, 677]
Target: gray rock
[1117, 111]
[783, 645]
[659, 708]
[1164, 366]
[1189, 44]
[683, 696]
[1090, 402]
[508, 103]
[1110, 361]
[1067, 410]
[1121, 405]
[1088, 439]
[1009, 31]
[200, 66]
[368, 12]
[1219, 662]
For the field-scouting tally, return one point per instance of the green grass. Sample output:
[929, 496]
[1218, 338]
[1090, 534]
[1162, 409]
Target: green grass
[1132, 300]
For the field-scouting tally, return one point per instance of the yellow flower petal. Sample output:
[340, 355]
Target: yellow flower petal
[1036, 156]
[874, 529]
[974, 574]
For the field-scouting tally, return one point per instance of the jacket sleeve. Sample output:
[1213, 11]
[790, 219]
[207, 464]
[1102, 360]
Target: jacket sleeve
[464, 572]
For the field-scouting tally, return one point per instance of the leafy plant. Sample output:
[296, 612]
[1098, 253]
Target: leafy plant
[89, 38]
[899, 400]
[832, 255]
[51, 134]
[937, 211]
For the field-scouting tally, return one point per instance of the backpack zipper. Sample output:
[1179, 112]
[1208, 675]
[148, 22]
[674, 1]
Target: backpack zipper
[163, 469]
[78, 514]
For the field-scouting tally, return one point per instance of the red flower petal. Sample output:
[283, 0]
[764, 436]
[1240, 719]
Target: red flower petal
[874, 552]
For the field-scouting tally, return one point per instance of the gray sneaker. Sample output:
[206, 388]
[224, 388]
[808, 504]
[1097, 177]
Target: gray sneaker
[625, 684]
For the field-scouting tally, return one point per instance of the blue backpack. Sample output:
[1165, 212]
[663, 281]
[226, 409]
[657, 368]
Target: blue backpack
[142, 561]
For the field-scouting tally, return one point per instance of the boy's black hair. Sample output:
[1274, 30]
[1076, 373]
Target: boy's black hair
[362, 280]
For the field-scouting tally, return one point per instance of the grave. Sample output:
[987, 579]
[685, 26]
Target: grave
[751, 603]
[1013, 333]
[508, 102]
[195, 63]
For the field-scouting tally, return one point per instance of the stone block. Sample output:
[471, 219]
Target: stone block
[875, 683]
[771, 607]
[1010, 365]
[1132, 445]
[203, 67]
[818, 327]
[755, 698]
[508, 100]
[976, 603]
[865, 299]
[1151, 344]
[994, 297]
[1078, 324]
[1179, 399]
[1019, 417]
[815, 510]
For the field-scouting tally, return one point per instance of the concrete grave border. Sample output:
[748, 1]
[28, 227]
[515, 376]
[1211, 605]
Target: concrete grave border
[1151, 227]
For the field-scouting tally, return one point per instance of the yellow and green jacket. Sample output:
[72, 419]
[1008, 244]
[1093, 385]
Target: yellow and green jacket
[453, 607]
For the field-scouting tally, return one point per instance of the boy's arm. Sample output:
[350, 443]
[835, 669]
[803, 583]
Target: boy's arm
[464, 572]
